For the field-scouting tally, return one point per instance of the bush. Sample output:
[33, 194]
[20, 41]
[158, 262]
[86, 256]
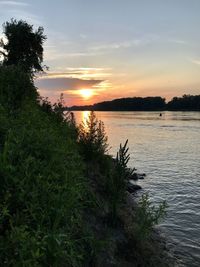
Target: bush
[116, 180]
[122, 160]
[92, 137]
[146, 216]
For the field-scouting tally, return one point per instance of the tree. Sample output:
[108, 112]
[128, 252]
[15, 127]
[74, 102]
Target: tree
[15, 87]
[23, 46]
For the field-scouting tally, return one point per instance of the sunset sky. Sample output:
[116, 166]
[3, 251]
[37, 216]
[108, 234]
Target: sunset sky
[104, 49]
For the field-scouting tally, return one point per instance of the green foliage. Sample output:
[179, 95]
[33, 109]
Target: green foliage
[4, 125]
[43, 192]
[146, 216]
[58, 111]
[114, 173]
[116, 181]
[92, 137]
[122, 160]
[122, 155]
[115, 188]
[15, 87]
[58, 107]
[45, 105]
[23, 46]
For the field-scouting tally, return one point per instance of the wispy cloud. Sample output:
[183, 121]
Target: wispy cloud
[103, 86]
[126, 44]
[195, 61]
[20, 14]
[139, 42]
[81, 73]
[76, 50]
[13, 3]
[177, 41]
[20, 11]
[53, 54]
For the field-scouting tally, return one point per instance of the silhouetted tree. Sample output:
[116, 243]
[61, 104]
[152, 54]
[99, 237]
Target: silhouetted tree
[127, 104]
[23, 46]
[15, 87]
[186, 102]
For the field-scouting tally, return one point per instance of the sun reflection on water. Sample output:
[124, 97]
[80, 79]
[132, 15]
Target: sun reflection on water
[84, 118]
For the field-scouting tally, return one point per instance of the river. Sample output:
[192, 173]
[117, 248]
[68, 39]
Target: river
[167, 149]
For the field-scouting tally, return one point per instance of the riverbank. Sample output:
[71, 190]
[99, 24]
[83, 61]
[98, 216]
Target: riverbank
[125, 244]
[157, 252]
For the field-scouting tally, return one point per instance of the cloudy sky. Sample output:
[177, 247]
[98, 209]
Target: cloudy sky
[103, 49]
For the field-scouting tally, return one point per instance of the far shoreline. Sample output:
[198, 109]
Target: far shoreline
[156, 103]
[158, 111]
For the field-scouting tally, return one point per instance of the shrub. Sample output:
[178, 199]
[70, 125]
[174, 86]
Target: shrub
[116, 180]
[92, 137]
[147, 215]
[122, 160]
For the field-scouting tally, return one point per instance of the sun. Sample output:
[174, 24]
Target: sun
[86, 93]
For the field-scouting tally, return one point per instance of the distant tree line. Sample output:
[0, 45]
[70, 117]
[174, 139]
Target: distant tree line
[184, 103]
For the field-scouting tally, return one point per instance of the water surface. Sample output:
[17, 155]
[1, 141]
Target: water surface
[167, 149]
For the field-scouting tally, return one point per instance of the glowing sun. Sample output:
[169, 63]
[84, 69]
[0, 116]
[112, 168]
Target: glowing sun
[86, 93]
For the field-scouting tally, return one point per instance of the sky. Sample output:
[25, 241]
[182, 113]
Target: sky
[99, 50]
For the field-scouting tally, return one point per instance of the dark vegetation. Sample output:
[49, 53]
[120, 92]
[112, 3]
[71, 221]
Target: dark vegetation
[23, 46]
[184, 103]
[63, 200]
[127, 104]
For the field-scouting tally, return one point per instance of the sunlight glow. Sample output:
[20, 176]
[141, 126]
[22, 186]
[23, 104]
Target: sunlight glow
[86, 93]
